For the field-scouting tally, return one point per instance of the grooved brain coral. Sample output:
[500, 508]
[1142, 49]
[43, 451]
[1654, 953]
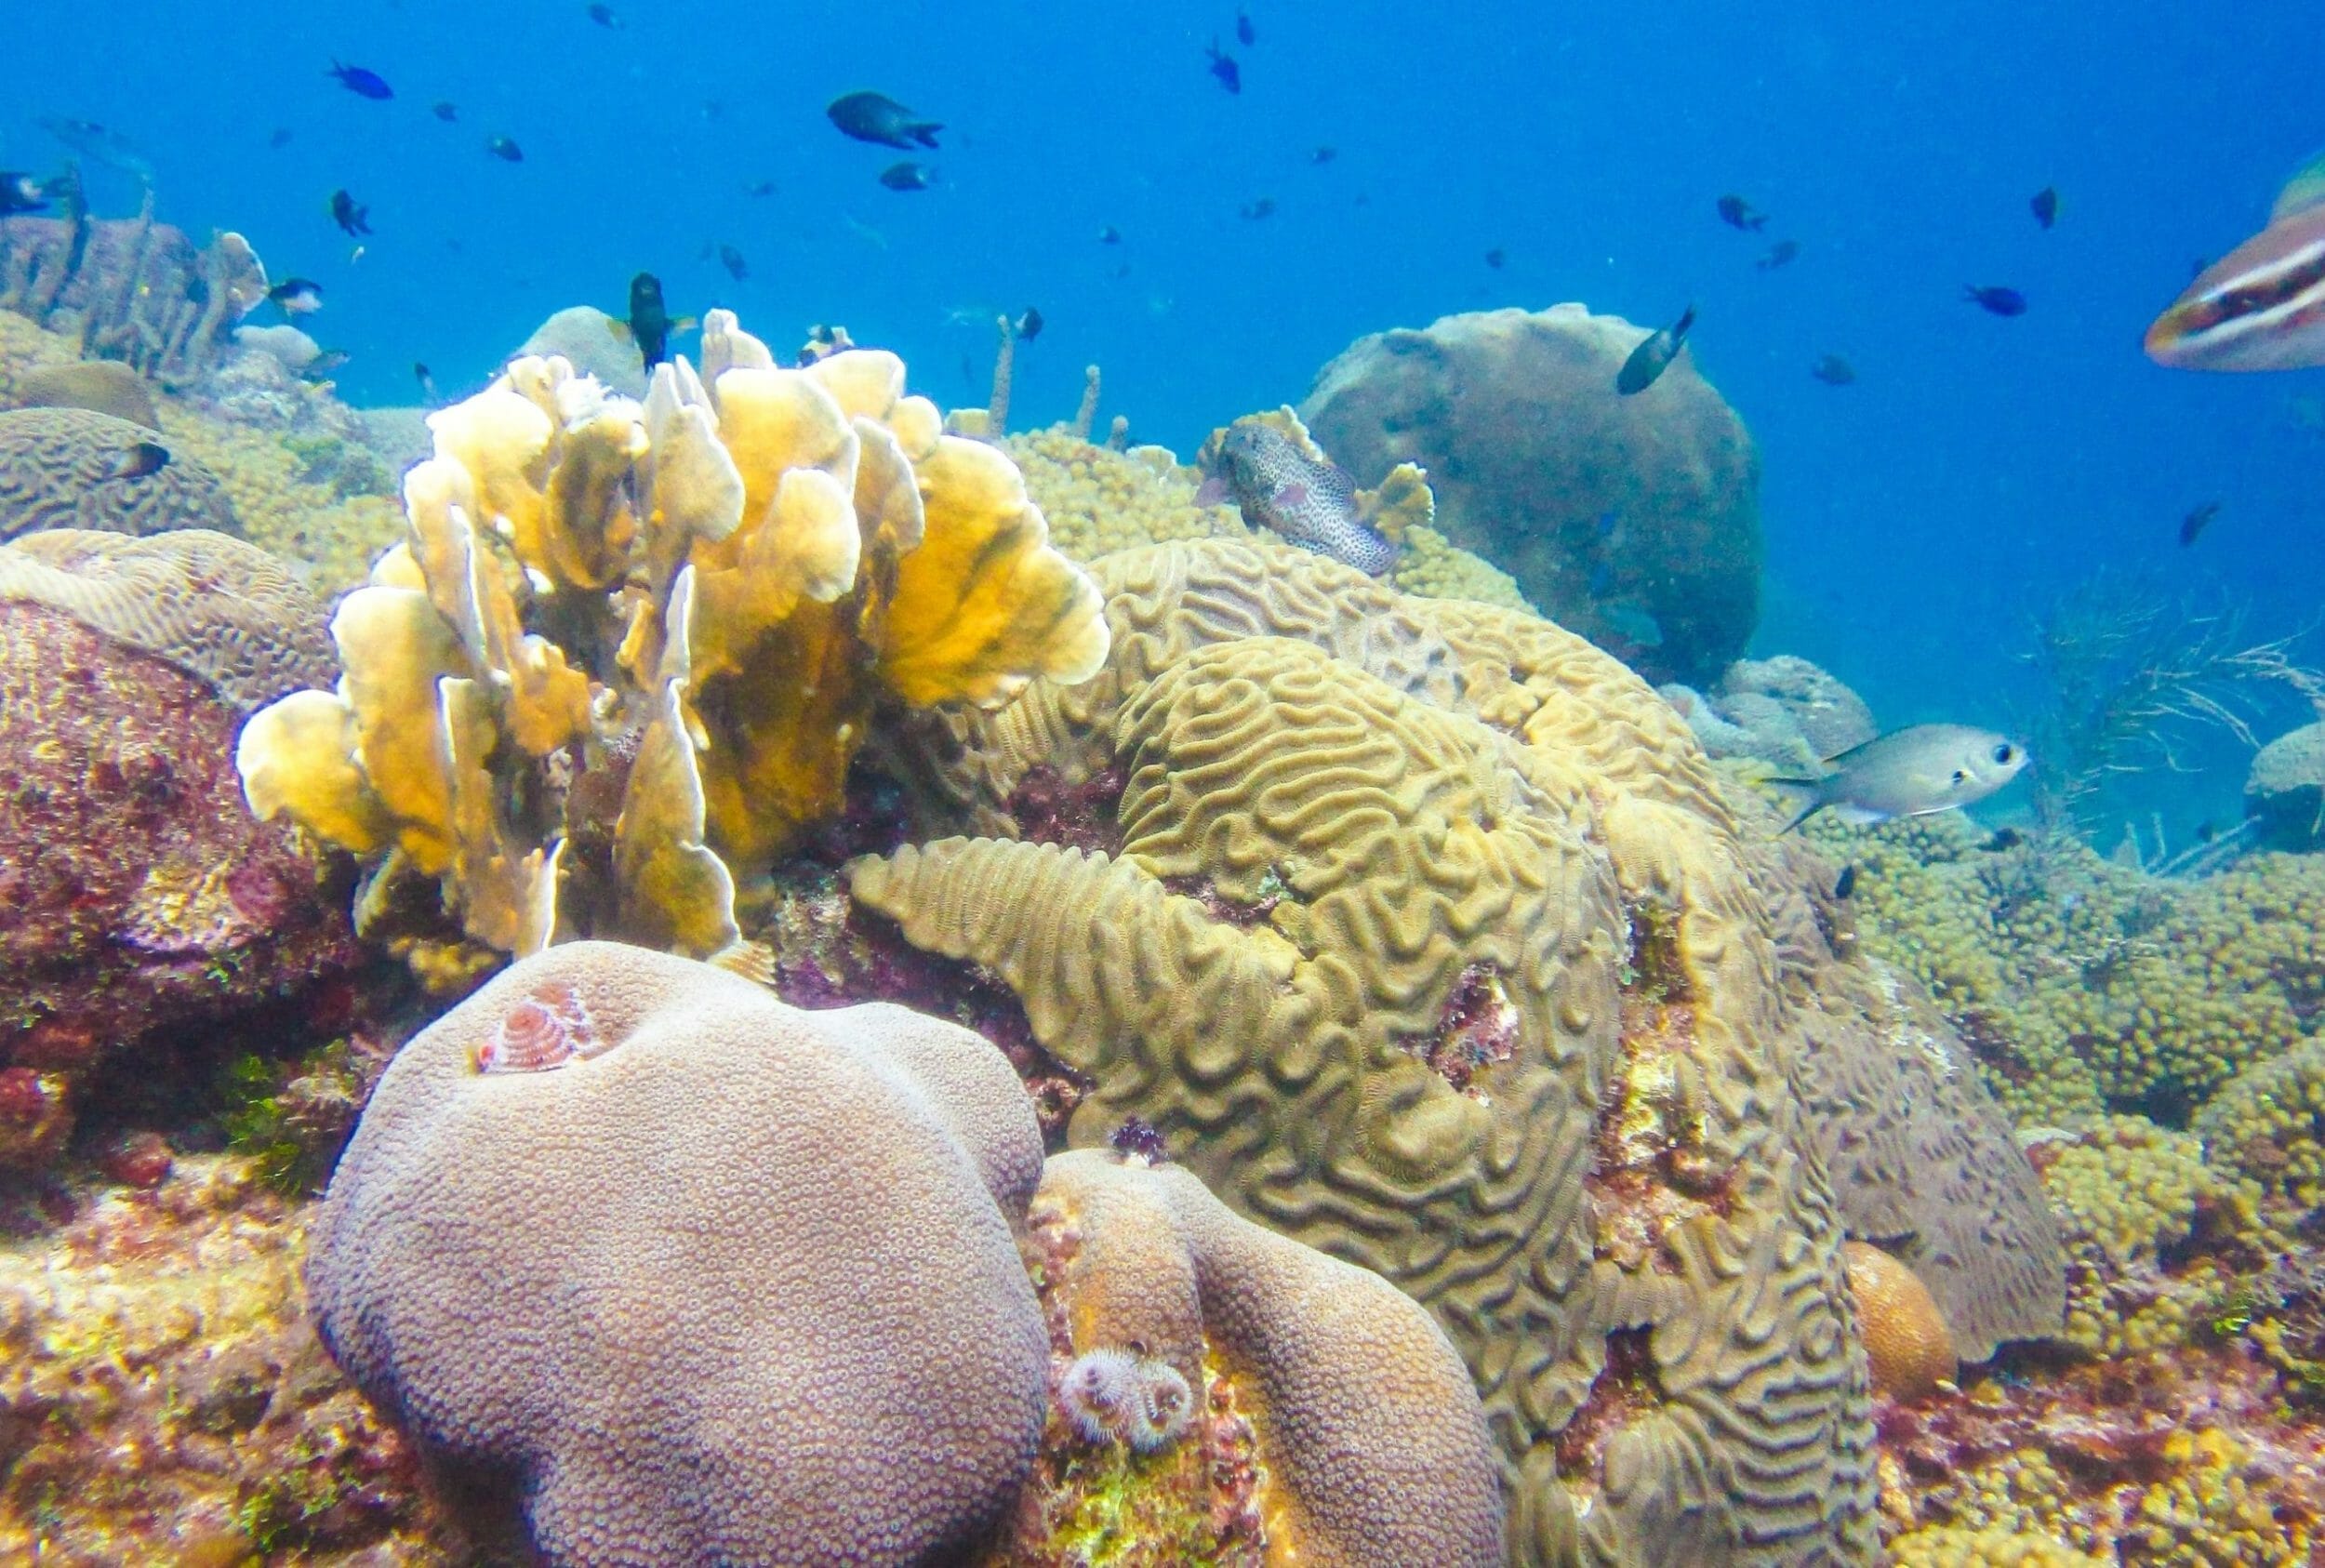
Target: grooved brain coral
[209, 604]
[719, 1280]
[1367, 1442]
[1426, 940]
[59, 466]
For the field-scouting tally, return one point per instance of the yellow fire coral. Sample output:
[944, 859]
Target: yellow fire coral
[713, 593]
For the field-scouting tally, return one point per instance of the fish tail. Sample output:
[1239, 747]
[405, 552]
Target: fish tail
[1806, 812]
[924, 131]
[1687, 319]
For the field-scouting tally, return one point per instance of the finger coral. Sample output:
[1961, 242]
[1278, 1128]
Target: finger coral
[1419, 929]
[1280, 1406]
[708, 599]
[798, 1301]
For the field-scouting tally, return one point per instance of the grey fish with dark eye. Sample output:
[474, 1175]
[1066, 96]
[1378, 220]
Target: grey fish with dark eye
[1312, 504]
[877, 118]
[1652, 358]
[143, 458]
[1914, 772]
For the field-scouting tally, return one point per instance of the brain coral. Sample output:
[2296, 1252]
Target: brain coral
[57, 469]
[1367, 1443]
[1593, 502]
[135, 889]
[770, 1250]
[1485, 996]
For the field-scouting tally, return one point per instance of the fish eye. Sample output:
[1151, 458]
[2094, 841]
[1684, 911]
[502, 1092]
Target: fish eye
[2004, 752]
[1962, 775]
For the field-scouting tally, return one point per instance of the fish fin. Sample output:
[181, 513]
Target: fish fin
[686, 323]
[1806, 812]
[1292, 493]
[1795, 783]
[1862, 816]
[1687, 319]
[924, 132]
[2303, 191]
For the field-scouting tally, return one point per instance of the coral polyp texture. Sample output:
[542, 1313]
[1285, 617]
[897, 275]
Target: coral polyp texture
[1420, 932]
[1633, 520]
[806, 550]
[135, 890]
[770, 1250]
[1906, 1337]
[2084, 985]
[72, 468]
[1280, 1406]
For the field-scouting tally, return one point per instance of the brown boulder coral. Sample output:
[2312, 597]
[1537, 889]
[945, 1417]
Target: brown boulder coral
[618, 1193]
[102, 386]
[135, 890]
[60, 468]
[1424, 938]
[1327, 1420]
[1598, 505]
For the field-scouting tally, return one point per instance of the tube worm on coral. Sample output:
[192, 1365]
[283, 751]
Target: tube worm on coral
[1086, 416]
[997, 411]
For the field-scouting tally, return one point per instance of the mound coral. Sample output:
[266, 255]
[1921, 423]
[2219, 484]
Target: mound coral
[1331, 1421]
[102, 386]
[854, 1371]
[1486, 998]
[1906, 1337]
[1611, 513]
[135, 890]
[2284, 792]
[2267, 1125]
[61, 468]
[806, 547]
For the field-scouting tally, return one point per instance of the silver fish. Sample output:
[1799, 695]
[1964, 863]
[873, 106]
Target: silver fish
[99, 142]
[1912, 772]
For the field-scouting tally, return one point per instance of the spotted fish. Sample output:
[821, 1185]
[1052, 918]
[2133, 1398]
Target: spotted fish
[1311, 503]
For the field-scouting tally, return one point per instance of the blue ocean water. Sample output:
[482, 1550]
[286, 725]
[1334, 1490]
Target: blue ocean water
[1977, 466]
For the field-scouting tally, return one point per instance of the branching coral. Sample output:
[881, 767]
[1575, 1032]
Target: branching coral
[715, 590]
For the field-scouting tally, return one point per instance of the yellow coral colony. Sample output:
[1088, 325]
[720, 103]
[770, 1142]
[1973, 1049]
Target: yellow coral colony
[725, 581]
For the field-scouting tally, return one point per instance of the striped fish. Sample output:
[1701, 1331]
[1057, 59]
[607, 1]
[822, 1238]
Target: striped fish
[2261, 307]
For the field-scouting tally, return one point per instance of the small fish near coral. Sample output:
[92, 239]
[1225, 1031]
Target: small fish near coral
[449, 113]
[1781, 254]
[1995, 299]
[732, 259]
[2044, 204]
[1028, 326]
[1496, 258]
[1652, 358]
[650, 323]
[353, 219]
[20, 192]
[143, 458]
[2192, 526]
[427, 379]
[2261, 306]
[505, 149]
[1833, 370]
[297, 297]
[907, 176]
[874, 117]
[604, 16]
[101, 143]
[1310, 503]
[1223, 68]
[1322, 156]
[1912, 772]
[1244, 33]
[1737, 213]
[362, 83]
[1252, 212]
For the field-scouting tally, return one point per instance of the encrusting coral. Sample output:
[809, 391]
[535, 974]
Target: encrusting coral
[854, 1371]
[1485, 995]
[804, 546]
[64, 467]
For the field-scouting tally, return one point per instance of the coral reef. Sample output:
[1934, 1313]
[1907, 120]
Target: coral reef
[856, 1367]
[1905, 1338]
[1616, 515]
[62, 468]
[2082, 984]
[102, 386]
[163, 1398]
[2284, 792]
[1331, 1424]
[1100, 500]
[807, 549]
[1783, 712]
[594, 343]
[135, 891]
[130, 289]
[2267, 1125]
[1490, 1003]
[1432, 566]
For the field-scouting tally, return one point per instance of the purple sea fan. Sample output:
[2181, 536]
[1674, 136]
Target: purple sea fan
[1101, 1393]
